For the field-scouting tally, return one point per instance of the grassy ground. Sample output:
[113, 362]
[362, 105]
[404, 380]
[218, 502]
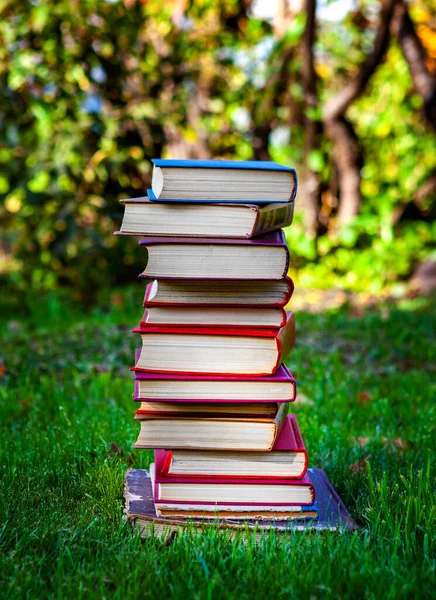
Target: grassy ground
[366, 410]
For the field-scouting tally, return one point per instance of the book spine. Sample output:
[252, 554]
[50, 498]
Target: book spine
[300, 444]
[289, 292]
[273, 217]
[167, 463]
[150, 291]
[279, 421]
[286, 339]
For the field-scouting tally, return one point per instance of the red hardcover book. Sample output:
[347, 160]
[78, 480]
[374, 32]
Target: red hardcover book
[265, 257]
[223, 293]
[289, 446]
[232, 491]
[215, 350]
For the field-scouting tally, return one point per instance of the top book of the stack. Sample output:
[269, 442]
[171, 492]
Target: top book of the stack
[213, 198]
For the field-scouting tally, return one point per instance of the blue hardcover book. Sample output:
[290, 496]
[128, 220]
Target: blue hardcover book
[251, 181]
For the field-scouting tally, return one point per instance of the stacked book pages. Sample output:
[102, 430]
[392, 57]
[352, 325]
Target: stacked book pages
[211, 388]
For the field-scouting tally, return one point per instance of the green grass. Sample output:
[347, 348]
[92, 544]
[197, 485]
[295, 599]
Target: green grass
[367, 414]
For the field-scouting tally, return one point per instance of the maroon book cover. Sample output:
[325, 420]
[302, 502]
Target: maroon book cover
[275, 238]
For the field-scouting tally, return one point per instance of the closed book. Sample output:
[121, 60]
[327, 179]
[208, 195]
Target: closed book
[216, 316]
[287, 459]
[180, 388]
[249, 181]
[210, 433]
[258, 410]
[141, 512]
[142, 217]
[232, 491]
[235, 514]
[218, 293]
[263, 257]
[215, 350]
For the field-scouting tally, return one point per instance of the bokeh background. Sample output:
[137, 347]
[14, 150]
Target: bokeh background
[91, 90]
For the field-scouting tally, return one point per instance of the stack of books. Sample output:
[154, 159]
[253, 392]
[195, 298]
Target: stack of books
[211, 389]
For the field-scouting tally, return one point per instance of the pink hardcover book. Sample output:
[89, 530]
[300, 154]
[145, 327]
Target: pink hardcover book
[289, 440]
[282, 376]
[161, 480]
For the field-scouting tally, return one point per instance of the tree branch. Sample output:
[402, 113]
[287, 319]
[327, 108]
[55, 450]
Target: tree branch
[423, 80]
[337, 106]
[312, 126]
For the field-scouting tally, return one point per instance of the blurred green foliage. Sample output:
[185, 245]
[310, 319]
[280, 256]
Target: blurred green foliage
[91, 90]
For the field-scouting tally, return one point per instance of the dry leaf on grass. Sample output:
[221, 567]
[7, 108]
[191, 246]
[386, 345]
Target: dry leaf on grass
[401, 445]
[362, 441]
[364, 397]
[359, 465]
[115, 449]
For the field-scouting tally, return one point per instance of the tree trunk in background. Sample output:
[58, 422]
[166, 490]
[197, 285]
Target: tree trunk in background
[311, 187]
[348, 158]
[413, 51]
[176, 143]
[264, 112]
[261, 135]
[346, 147]
[424, 82]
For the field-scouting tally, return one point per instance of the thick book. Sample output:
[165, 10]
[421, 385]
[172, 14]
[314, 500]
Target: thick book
[215, 350]
[263, 257]
[231, 491]
[249, 181]
[214, 316]
[142, 217]
[178, 388]
[287, 459]
[210, 433]
[220, 293]
[140, 512]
